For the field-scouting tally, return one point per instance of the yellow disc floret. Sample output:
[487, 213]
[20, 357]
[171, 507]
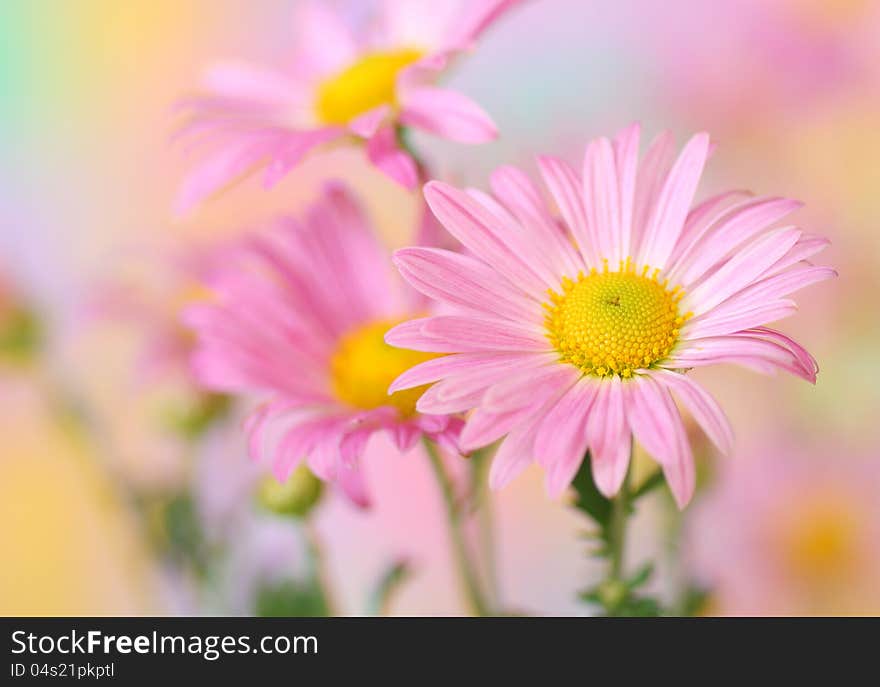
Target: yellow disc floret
[368, 83]
[363, 367]
[612, 323]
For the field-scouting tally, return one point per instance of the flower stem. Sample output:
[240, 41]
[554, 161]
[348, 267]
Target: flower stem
[619, 514]
[466, 569]
[479, 462]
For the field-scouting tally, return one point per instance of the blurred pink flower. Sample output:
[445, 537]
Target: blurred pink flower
[788, 56]
[341, 86]
[148, 293]
[575, 335]
[791, 530]
[300, 313]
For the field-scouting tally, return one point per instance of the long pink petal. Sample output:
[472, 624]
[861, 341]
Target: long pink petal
[741, 270]
[657, 426]
[667, 219]
[513, 187]
[561, 439]
[514, 455]
[325, 44]
[737, 226]
[476, 17]
[482, 233]
[565, 187]
[448, 365]
[466, 282]
[386, 155]
[626, 158]
[602, 199]
[448, 114]
[649, 182]
[702, 406]
[608, 437]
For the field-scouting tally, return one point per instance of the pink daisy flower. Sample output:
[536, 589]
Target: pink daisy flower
[790, 530]
[572, 334]
[341, 86]
[299, 315]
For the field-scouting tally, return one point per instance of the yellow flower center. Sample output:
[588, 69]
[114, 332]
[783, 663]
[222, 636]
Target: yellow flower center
[821, 544]
[611, 323]
[363, 367]
[368, 83]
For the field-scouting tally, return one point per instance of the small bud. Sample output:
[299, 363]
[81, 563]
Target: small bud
[20, 333]
[612, 593]
[296, 497]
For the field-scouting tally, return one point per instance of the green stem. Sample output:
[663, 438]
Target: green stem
[466, 570]
[619, 513]
[317, 566]
[480, 461]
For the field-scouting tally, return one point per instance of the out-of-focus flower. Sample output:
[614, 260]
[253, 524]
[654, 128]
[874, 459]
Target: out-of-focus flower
[787, 55]
[341, 86]
[259, 558]
[299, 313]
[571, 338]
[20, 331]
[790, 531]
[157, 285]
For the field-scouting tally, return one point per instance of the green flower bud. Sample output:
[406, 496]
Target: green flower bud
[296, 497]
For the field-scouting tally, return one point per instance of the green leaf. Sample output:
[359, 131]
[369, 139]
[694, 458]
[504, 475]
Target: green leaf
[652, 482]
[641, 576]
[290, 599]
[590, 500]
[390, 582]
[694, 601]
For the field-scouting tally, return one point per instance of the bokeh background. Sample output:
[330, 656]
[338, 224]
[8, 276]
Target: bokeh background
[789, 90]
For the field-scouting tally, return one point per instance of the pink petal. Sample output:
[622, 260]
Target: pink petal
[466, 282]
[603, 198]
[741, 270]
[352, 483]
[293, 148]
[248, 82]
[386, 155]
[702, 406]
[565, 187]
[446, 113]
[456, 334]
[476, 17]
[608, 437]
[514, 455]
[221, 168]
[367, 124]
[484, 427]
[738, 225]
[449, 365]
[657, 425]
[325, 44]
[667, 219]
[649, 182]
[513, 187]
[725, 321]
[561, 439]
[626, 158]
[481, 232]
[525, 388]
[701, 218]
[477, 334]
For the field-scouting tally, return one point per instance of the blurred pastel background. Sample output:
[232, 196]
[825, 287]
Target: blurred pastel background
[789, 90]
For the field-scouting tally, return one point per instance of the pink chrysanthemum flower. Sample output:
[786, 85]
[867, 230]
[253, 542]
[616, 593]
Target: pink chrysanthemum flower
[574, 335]
[340, 86]
[300, 313]
[790, 530]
